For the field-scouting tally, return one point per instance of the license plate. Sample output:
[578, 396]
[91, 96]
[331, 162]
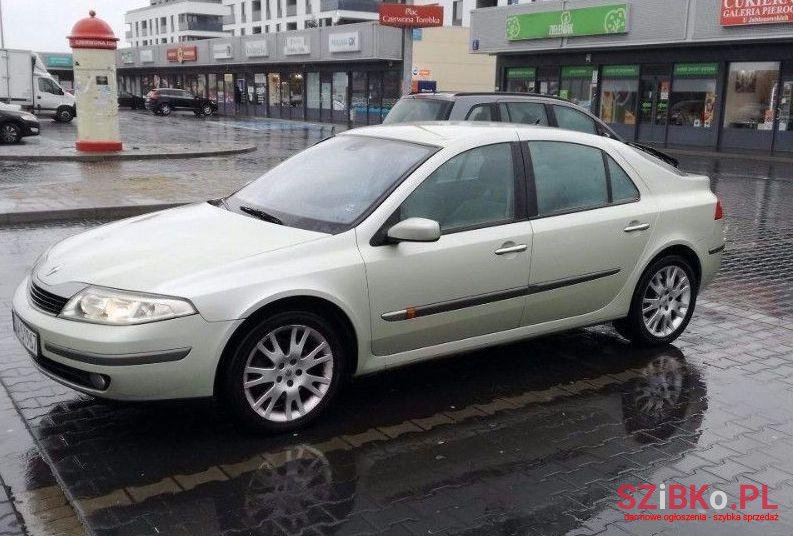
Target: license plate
[28, 337]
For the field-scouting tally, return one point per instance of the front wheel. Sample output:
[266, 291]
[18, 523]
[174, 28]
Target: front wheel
[662, 304]
[165, 109]
[64, 115]
[284, 372]
[10, 133]
[207, 110]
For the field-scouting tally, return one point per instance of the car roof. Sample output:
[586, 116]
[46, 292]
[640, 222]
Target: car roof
[449, 133]
[452, 95]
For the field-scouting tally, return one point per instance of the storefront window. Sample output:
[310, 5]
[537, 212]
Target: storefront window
[548, 80]
[577, 85]
[359, 108]
[619, 93]
[521, 79]
[693, 95]
[200, 88]
[296, 95]
[212, 85]
[654, 91]
[751, 92]
[392, 80]
[325, 94]
[340, 96]
[260, 83]
[312, 96]
[786, 107]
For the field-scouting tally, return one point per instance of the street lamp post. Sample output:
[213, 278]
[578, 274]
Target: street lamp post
[2, 33]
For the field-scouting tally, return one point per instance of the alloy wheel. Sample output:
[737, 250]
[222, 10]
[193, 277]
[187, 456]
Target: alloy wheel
[9, 133]
[165, 109]
[207, 110]
[666, 301]
[288, 373]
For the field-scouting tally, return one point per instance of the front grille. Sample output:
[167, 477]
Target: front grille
[46, 301]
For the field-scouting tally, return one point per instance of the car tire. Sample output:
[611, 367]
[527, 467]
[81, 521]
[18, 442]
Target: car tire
[64, 115]
[662, 304]
[10, 133]
[207, 110]
[165, 109]
[287, 394]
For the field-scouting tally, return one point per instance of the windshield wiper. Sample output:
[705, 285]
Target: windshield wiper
[259, 213]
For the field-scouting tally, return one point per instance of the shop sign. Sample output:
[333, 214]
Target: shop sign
[577, 71]
[181, 54]
[521, 73]
[147, 56]
[599, 20]
[696, 70]
[127, 57]
[344, 42]
[256, 49]
[296, 45]
[411, 16]
[58, 61]
[222, 52]
[621, 71]
[746, 12]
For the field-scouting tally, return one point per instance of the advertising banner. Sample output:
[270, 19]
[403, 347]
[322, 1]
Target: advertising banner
[599, 20]
[344, 42]
[410, 16]
[748, 12]
[256, 49]
[181, 54]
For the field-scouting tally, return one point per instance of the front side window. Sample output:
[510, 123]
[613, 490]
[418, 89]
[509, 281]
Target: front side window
[48, 86]
[473, 189]
[527, 113]
[571, 119]
[567, 177]
[482, 112]
[328, 186]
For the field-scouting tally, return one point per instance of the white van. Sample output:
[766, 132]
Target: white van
[24, 81]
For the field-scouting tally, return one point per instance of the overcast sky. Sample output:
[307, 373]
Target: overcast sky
[43, 25]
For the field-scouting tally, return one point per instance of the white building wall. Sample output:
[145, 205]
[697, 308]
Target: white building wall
[170, 32]
[307, 13]
[465, 7]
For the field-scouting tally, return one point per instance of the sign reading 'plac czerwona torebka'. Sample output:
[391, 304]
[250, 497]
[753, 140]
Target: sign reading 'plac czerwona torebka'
[410, 16]
[745, 12]
[599, 20]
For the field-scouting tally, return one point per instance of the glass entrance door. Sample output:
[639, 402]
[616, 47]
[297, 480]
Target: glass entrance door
[783, 141]
[653, 108]
[749, 109]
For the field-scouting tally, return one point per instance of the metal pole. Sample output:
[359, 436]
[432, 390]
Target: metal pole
[2, 33]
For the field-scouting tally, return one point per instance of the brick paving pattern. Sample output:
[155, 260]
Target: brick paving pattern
[530, 438]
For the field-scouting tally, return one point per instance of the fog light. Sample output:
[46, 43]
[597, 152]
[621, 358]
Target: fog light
[99, 381]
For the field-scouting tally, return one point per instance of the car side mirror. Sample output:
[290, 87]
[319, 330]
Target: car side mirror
[415, 230]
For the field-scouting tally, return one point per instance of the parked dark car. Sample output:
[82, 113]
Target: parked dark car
[130, 100]
[164, 101]
[14, 125]
[526, 108]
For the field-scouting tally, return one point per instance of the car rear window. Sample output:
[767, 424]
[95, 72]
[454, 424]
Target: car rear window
[406, 110]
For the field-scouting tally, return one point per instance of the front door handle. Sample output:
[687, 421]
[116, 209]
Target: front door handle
[636, 226]
[511, 249]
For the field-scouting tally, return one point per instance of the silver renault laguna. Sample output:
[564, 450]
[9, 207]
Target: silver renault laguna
[376, 248]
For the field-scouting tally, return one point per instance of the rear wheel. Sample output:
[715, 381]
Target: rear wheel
[10, 133]
[662, 304]
[165, 109]
[207, 110]
[285, 371]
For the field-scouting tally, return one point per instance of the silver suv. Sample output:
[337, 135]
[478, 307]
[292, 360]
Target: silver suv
[523, 108]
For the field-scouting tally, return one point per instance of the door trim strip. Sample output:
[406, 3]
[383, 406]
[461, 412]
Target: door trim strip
[481, 299]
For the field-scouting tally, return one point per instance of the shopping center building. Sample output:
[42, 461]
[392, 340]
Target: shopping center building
[693, 73]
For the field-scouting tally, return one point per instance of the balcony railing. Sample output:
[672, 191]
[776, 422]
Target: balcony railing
[369, 6]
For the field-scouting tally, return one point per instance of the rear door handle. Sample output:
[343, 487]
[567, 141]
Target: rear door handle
[511, 249]
[633, 227]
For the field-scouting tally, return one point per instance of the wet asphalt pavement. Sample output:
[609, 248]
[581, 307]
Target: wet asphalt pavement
[529, 438]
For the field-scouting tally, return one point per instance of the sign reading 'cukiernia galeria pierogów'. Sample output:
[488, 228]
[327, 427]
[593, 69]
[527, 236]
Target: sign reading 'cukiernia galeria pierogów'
[599, 20]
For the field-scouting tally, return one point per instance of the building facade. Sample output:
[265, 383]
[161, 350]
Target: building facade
[716, 74]
[351, 74]
[248, 17]
[174, 21]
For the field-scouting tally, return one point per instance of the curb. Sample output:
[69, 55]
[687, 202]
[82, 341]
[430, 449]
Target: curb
[88, 213]
[94, 157]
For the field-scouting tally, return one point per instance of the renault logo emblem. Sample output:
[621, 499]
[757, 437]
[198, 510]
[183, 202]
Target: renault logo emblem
[53, 270]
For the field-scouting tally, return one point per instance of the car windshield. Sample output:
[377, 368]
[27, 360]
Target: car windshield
[329, 186]
[406, 110]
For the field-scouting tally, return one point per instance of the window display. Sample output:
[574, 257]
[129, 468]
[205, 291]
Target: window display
[521, 79]
[577, 85]
[619, 93]
[751, 95]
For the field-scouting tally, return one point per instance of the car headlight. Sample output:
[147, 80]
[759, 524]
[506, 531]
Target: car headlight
[28, 117]
[121, 308]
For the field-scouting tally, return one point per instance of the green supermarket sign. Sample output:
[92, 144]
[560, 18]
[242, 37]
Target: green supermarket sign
[620, 71]
[521, 73]
[575, 71]
[599, 20]
[696, 70]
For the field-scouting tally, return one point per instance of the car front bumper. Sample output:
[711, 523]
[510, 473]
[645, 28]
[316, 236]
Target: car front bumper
[169, 359]
[31, 128]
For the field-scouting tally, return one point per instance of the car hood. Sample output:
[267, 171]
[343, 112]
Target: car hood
[146, 252]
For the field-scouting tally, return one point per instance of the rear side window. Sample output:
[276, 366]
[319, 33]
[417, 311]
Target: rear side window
[481, 112]
[567, 177]
[571, 119]
[406, 110]
[527, 113]
[622, 187]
